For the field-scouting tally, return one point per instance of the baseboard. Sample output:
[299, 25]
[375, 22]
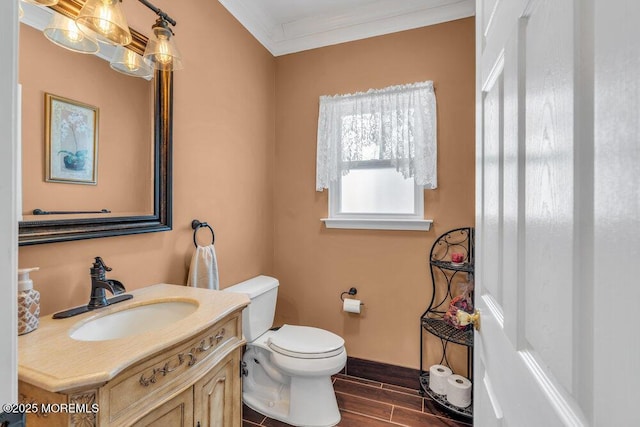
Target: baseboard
[383, 372]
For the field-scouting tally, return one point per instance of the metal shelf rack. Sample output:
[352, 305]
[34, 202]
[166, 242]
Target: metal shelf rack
[444, 275]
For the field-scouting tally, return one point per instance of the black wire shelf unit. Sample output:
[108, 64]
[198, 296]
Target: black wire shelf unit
[445, 275]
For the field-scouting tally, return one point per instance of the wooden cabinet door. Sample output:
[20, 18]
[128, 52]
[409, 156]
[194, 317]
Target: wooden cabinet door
[178, 412]
[217, 395]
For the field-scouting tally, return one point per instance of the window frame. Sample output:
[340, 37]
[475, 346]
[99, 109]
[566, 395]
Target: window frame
[369, 220]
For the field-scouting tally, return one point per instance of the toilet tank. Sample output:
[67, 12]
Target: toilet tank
[257, 317]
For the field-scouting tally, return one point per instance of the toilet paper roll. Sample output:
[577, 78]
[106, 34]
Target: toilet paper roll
[351, 305]
[438, 375]
[459, 391]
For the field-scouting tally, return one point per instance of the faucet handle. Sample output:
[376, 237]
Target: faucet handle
[99, 264]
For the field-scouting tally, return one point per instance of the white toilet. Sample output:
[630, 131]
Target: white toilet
[288, 370]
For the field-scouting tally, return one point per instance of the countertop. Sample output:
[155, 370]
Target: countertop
[50, 359]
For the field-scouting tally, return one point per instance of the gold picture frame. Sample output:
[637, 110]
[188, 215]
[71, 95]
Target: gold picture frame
[71, 141]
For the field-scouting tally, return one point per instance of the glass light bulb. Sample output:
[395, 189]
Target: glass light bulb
[161, 52]
[163, 55]
[65, 33]
[71, 31]
[105, 16]
[130, 61]
[105, 21]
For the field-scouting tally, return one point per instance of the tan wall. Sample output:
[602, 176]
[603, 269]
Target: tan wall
[124, 129]
[222, 171]
[389, 268]
[224, 143]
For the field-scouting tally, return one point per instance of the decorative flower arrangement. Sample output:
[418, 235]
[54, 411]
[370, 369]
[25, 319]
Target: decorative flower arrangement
[74, 124]
[461, 302]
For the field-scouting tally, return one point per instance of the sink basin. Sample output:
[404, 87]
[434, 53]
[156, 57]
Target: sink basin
[133, 321]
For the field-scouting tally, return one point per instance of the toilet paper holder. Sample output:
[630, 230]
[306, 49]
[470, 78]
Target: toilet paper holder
[352, 292]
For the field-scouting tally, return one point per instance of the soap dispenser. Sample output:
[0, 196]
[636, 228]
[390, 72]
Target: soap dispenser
[28, 302]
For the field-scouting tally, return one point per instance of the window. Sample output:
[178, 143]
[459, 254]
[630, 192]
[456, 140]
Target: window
[376, 155]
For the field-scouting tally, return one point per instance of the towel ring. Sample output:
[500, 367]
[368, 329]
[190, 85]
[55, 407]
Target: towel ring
[196, 225]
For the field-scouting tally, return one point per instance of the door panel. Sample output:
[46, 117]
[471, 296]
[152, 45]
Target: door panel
[178, 412]
[490, 410]
[492, 226]
[215, 398]
[549, 186]
[512, 186]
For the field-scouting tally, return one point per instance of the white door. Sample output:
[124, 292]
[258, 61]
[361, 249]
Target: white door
[8, 217]
[558, 208]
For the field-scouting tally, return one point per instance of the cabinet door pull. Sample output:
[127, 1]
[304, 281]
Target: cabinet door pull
[203, 347]
[192, 358]
[166, 368]
[148, 381]
[220, 335]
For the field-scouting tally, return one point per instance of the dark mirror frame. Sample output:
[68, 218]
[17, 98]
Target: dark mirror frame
[61, 230]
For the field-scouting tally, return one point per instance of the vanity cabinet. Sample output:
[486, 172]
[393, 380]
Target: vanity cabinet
[193, 383]
[196, 383]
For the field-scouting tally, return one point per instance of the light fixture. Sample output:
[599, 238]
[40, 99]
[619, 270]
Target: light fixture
[42, 2]
[161, 52]
[128, 62]
[64, 32]
[20, 11]
[104, 21]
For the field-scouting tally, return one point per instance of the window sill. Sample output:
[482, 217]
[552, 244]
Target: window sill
[379, 224]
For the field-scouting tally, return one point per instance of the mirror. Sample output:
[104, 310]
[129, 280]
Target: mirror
[151, 185]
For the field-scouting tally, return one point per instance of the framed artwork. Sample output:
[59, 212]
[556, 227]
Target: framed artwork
[71, 141]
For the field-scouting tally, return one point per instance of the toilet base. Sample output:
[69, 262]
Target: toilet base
[284, 396]
[309, 402]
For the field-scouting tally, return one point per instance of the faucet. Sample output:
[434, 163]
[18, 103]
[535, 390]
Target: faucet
[100, 284]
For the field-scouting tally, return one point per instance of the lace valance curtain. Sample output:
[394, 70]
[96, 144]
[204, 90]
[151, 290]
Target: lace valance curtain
[395, 124]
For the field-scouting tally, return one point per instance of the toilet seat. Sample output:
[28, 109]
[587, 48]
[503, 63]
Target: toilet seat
[305, 342]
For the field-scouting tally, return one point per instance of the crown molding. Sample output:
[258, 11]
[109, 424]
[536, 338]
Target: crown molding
[379, 18]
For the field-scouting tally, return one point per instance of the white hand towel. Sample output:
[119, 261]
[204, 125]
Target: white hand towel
[203, 272]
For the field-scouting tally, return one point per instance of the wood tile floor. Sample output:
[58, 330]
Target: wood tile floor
[365, 403]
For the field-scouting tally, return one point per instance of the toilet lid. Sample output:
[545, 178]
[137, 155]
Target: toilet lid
[305, 342]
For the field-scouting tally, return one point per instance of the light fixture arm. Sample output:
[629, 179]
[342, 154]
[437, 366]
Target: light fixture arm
[158, 12]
